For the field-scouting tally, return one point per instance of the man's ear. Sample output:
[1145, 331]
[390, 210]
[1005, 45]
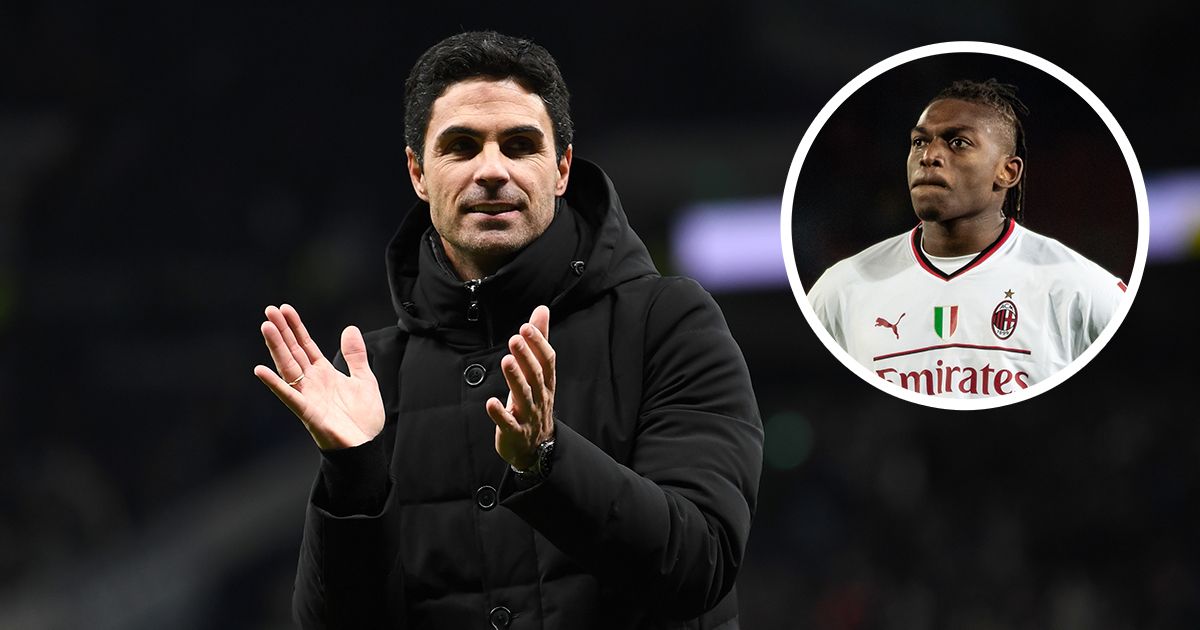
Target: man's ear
[1010, 172]
[416, 174]
[564, 172]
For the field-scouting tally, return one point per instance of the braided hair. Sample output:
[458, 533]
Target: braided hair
[1001, 97]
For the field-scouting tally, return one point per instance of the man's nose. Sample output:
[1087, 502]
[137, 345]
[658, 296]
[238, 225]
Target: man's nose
[492, 168]
[933, 154]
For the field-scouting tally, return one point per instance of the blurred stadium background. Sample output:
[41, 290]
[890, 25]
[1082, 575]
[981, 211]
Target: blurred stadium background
[167, 170]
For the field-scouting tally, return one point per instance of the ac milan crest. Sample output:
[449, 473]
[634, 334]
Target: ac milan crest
[1004, 319]
[945, 320]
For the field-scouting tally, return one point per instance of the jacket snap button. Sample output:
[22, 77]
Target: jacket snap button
[485, 497]
[474, 374]
[500, 617]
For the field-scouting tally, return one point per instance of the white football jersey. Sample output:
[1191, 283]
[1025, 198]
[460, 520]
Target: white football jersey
[1018, 312]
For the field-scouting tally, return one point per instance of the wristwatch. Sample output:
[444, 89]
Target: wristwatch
[541, 465]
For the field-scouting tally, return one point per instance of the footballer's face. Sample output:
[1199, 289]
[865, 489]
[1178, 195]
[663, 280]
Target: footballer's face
[489, 172]
[960, 161]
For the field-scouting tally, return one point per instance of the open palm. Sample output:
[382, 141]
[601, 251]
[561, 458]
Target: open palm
[339, 411]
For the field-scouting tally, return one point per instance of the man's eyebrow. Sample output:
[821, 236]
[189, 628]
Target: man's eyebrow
[957, 129]
[530, 130]
[460, 130]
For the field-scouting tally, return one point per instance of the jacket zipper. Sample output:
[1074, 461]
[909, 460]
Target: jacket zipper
[474, 308]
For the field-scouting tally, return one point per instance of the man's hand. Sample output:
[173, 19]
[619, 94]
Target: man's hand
[339, 411]
[528, 418]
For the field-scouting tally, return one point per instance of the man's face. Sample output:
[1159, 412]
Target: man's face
[960, 161]
[490, 174]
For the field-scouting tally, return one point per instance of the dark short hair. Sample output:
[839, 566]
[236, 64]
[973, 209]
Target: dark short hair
[1002, 98]
[491, 55]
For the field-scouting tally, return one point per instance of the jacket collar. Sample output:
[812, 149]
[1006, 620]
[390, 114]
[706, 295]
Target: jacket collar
[488, 310]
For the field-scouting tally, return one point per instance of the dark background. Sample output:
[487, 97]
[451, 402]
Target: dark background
[167, 170]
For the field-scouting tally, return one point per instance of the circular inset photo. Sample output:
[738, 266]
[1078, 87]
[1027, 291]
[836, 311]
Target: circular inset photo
[965, 225]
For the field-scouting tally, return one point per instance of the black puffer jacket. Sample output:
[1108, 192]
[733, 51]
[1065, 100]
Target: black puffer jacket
[642, 522]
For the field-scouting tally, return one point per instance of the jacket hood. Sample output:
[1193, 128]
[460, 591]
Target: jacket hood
[588, 249]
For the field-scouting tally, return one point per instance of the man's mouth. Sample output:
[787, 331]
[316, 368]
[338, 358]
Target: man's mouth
[494, 208]
[930, 180]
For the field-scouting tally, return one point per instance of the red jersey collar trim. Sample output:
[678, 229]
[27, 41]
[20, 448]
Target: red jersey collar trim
[915, 242]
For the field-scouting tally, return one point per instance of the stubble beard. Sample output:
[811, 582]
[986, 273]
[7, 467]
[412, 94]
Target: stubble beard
[487, 250]
[929, 210]
[929, 213]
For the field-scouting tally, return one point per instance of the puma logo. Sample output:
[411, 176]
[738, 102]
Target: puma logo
[879, 321]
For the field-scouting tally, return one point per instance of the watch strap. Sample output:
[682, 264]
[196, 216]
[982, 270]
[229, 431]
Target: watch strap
[542, 464]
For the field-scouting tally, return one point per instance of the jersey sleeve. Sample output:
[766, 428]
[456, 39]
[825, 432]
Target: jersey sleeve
[1104, 296]
[825, 297]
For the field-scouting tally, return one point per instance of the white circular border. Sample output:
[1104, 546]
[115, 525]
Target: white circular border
[789, 194]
